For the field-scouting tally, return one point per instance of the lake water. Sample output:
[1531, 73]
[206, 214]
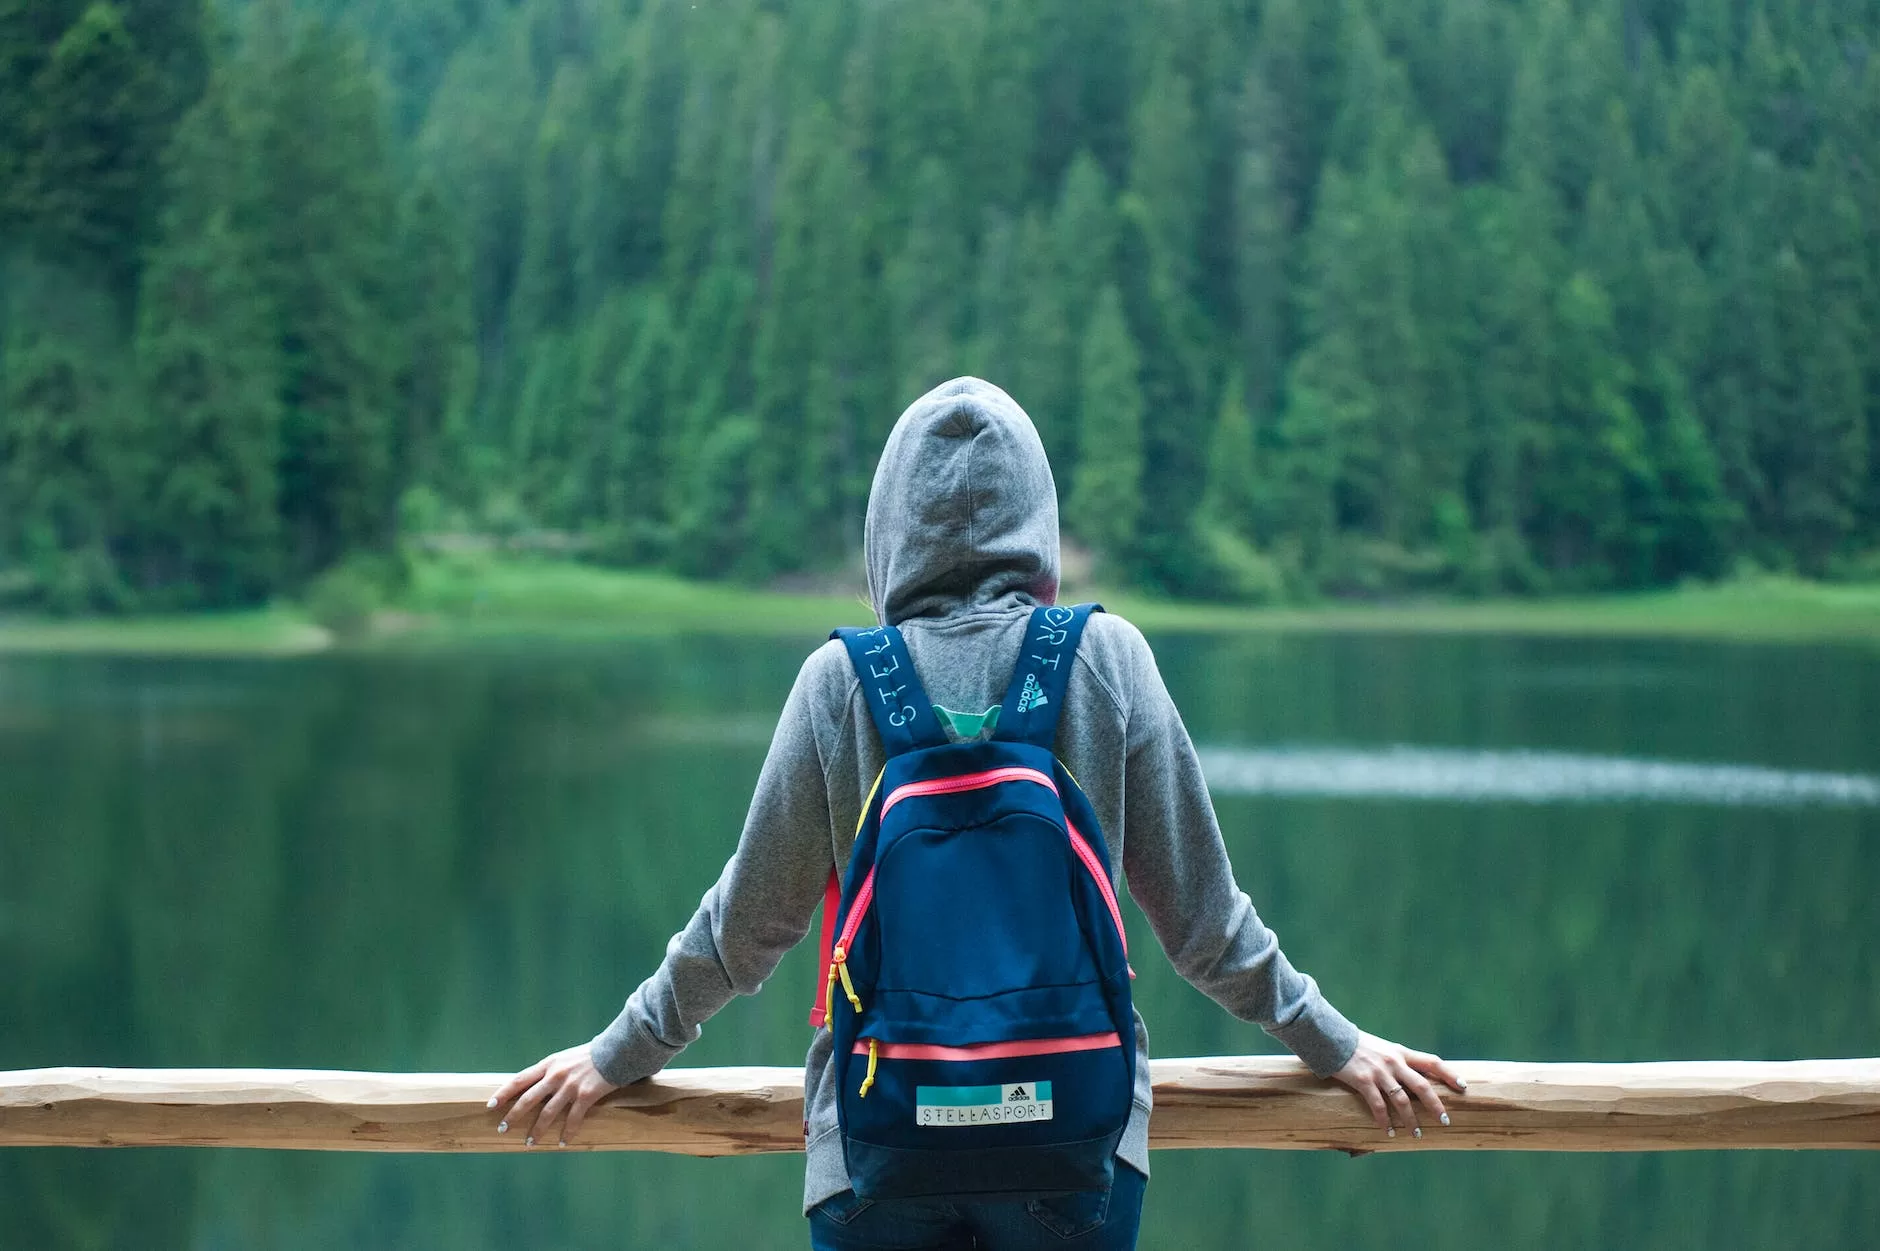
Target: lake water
[460, 861]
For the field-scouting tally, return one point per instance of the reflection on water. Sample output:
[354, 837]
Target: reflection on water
[463, 861]
[1534, 777]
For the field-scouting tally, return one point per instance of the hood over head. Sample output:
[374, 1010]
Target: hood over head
[963, 511]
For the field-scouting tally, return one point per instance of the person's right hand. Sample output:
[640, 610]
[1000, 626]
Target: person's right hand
[1392, 1079]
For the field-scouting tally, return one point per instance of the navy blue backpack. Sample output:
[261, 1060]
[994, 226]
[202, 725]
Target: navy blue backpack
[986, 1048]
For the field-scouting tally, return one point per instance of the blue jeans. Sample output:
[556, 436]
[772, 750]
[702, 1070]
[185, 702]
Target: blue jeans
[1099, 1220]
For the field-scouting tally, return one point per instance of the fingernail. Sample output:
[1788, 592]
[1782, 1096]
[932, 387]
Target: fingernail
[1445, 1118]
[1418, 1131]
[491, 1103]
[1465, 1085]
[503, 1128]
[562, 1143]
[1391, 1132]
[529, 1141]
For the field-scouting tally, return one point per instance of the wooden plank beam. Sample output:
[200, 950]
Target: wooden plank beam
[1251, 1101]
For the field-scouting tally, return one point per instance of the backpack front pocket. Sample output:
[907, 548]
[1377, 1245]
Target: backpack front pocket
[977, 914]
[1047, 1108]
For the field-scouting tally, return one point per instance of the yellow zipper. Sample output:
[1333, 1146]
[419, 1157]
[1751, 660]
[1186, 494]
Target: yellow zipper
[870, 1079]
[839, 967]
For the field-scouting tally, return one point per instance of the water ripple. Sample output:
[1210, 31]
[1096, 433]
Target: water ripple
[1536, 777]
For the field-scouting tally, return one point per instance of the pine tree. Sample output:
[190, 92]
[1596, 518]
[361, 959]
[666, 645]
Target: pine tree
[1042, 355]
[1814, 443]
[209, 364]
[89, 128]
[1463, 66]
[1435, 382]
[1300, 55]
[992, 348]
[1702, 152]
[618, 451]
[1593, 458]
[1232, 496]
[924, 291]
[1512, 276]
[1063, 262]
[546, 292]
[1161, 214]
[1260, 253]
[548, 442]
[709, 374]
[328, 225]
[1106, 505]
[476, 140]
[1564, 78]
[67, 467]
[438, 381]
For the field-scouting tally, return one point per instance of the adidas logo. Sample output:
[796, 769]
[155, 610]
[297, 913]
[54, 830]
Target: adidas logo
[1033, 695]
[1018, 1095]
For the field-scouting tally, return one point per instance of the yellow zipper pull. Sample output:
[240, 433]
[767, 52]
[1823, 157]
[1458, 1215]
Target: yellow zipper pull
[839, 964]
[870, 1079]
[829, 1008]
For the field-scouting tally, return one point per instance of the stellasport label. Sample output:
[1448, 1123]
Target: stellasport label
[982, 1105]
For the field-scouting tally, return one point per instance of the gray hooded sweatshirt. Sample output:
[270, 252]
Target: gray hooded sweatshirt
[961, 543]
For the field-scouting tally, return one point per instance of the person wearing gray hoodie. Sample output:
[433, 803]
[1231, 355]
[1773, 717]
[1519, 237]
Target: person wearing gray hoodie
[961, 543]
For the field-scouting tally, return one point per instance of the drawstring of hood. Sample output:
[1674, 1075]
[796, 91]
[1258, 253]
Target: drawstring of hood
[963, 510]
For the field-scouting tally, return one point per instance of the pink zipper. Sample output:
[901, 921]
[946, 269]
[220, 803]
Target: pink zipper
[966, 782]
[991, 1051]
[863, 897]
[977, 781]
[1089, 858]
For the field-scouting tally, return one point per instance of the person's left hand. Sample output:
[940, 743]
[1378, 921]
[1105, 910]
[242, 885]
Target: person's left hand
[1392, 1079]
[564, 1084]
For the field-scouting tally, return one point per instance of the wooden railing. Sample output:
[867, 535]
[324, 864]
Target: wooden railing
[1255, 1101]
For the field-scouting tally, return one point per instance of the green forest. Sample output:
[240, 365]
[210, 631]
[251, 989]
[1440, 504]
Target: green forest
[1306, 297]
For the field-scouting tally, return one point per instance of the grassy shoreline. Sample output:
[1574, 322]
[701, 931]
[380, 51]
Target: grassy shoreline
[455, 601]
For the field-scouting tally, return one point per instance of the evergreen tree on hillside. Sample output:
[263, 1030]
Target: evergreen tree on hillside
[1593, 449]
[210, 370]
[1158, 267]
[68, 470]
[1041, 355]
[1232, 496]
[437, 381]
[926, 294]
[1066, 253]
[623, 407]
[547, 294]
[709, 373]
[89, 93]
[327, 225]
[1106, 505]
[1261, 255]
[1814, 444]
[1703, 153]
[1512, 262]
[476, 142]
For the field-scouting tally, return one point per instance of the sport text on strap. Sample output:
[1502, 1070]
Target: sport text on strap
[901, 709]
[1043, 673]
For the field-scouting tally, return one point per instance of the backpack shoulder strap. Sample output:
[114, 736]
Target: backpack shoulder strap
[1043, 673]
[903, 713]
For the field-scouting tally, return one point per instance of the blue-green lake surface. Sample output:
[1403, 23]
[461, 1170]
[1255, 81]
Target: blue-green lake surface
[461, 860]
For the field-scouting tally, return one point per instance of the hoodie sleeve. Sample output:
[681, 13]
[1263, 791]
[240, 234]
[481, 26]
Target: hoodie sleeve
[760, 907]
[1178, 873]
